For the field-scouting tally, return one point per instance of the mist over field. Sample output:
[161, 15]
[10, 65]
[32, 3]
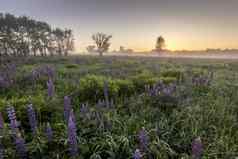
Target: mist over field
[190, 54]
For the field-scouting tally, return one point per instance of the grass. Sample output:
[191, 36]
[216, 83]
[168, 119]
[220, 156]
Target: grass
[171, 122]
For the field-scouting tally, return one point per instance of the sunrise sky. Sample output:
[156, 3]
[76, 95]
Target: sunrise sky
[185, 24]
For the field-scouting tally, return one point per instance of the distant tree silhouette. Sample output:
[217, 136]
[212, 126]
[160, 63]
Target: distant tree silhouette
[160, 44]
[68, 41]
[91, 48]
[102, 42]
[122, 49]
[59, 39]
[23, 36]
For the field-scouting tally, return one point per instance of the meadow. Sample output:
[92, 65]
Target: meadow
[90, 107]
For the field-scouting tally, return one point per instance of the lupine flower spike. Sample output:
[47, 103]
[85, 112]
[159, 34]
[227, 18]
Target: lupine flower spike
[72, 135]
[1, 121]
[67, 107]
[106, 94]
[144, 140]
[20, 146]
[50, 87]
[49, 132]
[1, 151]
[137, 154]
[197, 148]
[13, 120]
[32, 118]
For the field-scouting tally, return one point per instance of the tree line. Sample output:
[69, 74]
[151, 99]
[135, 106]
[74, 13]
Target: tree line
[23, 36]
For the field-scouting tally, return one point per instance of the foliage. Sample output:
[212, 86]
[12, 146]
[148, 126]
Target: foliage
[102, 42]
[160, 43]
[170, 113]
[23, 36]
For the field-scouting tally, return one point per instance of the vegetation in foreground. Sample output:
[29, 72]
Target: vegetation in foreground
[94, 107]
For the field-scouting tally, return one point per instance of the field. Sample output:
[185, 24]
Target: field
[90, 107]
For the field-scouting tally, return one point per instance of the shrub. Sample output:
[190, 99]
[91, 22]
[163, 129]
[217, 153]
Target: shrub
[126, 87]
[173, 73]
[91, 87]
[71, 66]
[143, 79]
[168, 80]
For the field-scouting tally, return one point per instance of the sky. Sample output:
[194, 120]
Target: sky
[135, 24]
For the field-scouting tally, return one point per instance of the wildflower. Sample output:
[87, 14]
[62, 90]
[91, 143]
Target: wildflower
[49, 71]
[32, 118]
[84, 111]
[67, 107]
[106, 95]
[34, 75]
[4, 81]
[1, 151]
[49, 132]
[137, 154]
[72, 135]
[112, 103]
[51, 89]
[197, 148]
[144, 139]
[1, 121]
[84, 108]
[12, 118]
[20, 146]
[101, 103]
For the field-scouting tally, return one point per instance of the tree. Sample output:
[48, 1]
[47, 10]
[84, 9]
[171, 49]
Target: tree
[23, 36]
[59, 38]
[102, 42]
[160, 44]
[68, 41]
[122, 49]
[91, 48]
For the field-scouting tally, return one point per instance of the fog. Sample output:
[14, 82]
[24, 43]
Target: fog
[196, 55]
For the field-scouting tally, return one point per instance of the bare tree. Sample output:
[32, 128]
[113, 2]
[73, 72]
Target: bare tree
[102, 42]
[160, 44]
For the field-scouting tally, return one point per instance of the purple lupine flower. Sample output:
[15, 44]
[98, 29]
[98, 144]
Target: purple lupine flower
[101, 103]
[34, 75]
[13, 120]
[49, 132]
[112, 103]
[144, 139]
[197, 148]
[1, 151]
[51, 88]
[84, 108]
[1, 121]
[72, 135]
[169, 90]
[49, 71]
[137, 154]
[2, 81]
[106, 93]
[32, 118]
[67, 107]
[20, 146]
[84, 111]
[201, 80]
